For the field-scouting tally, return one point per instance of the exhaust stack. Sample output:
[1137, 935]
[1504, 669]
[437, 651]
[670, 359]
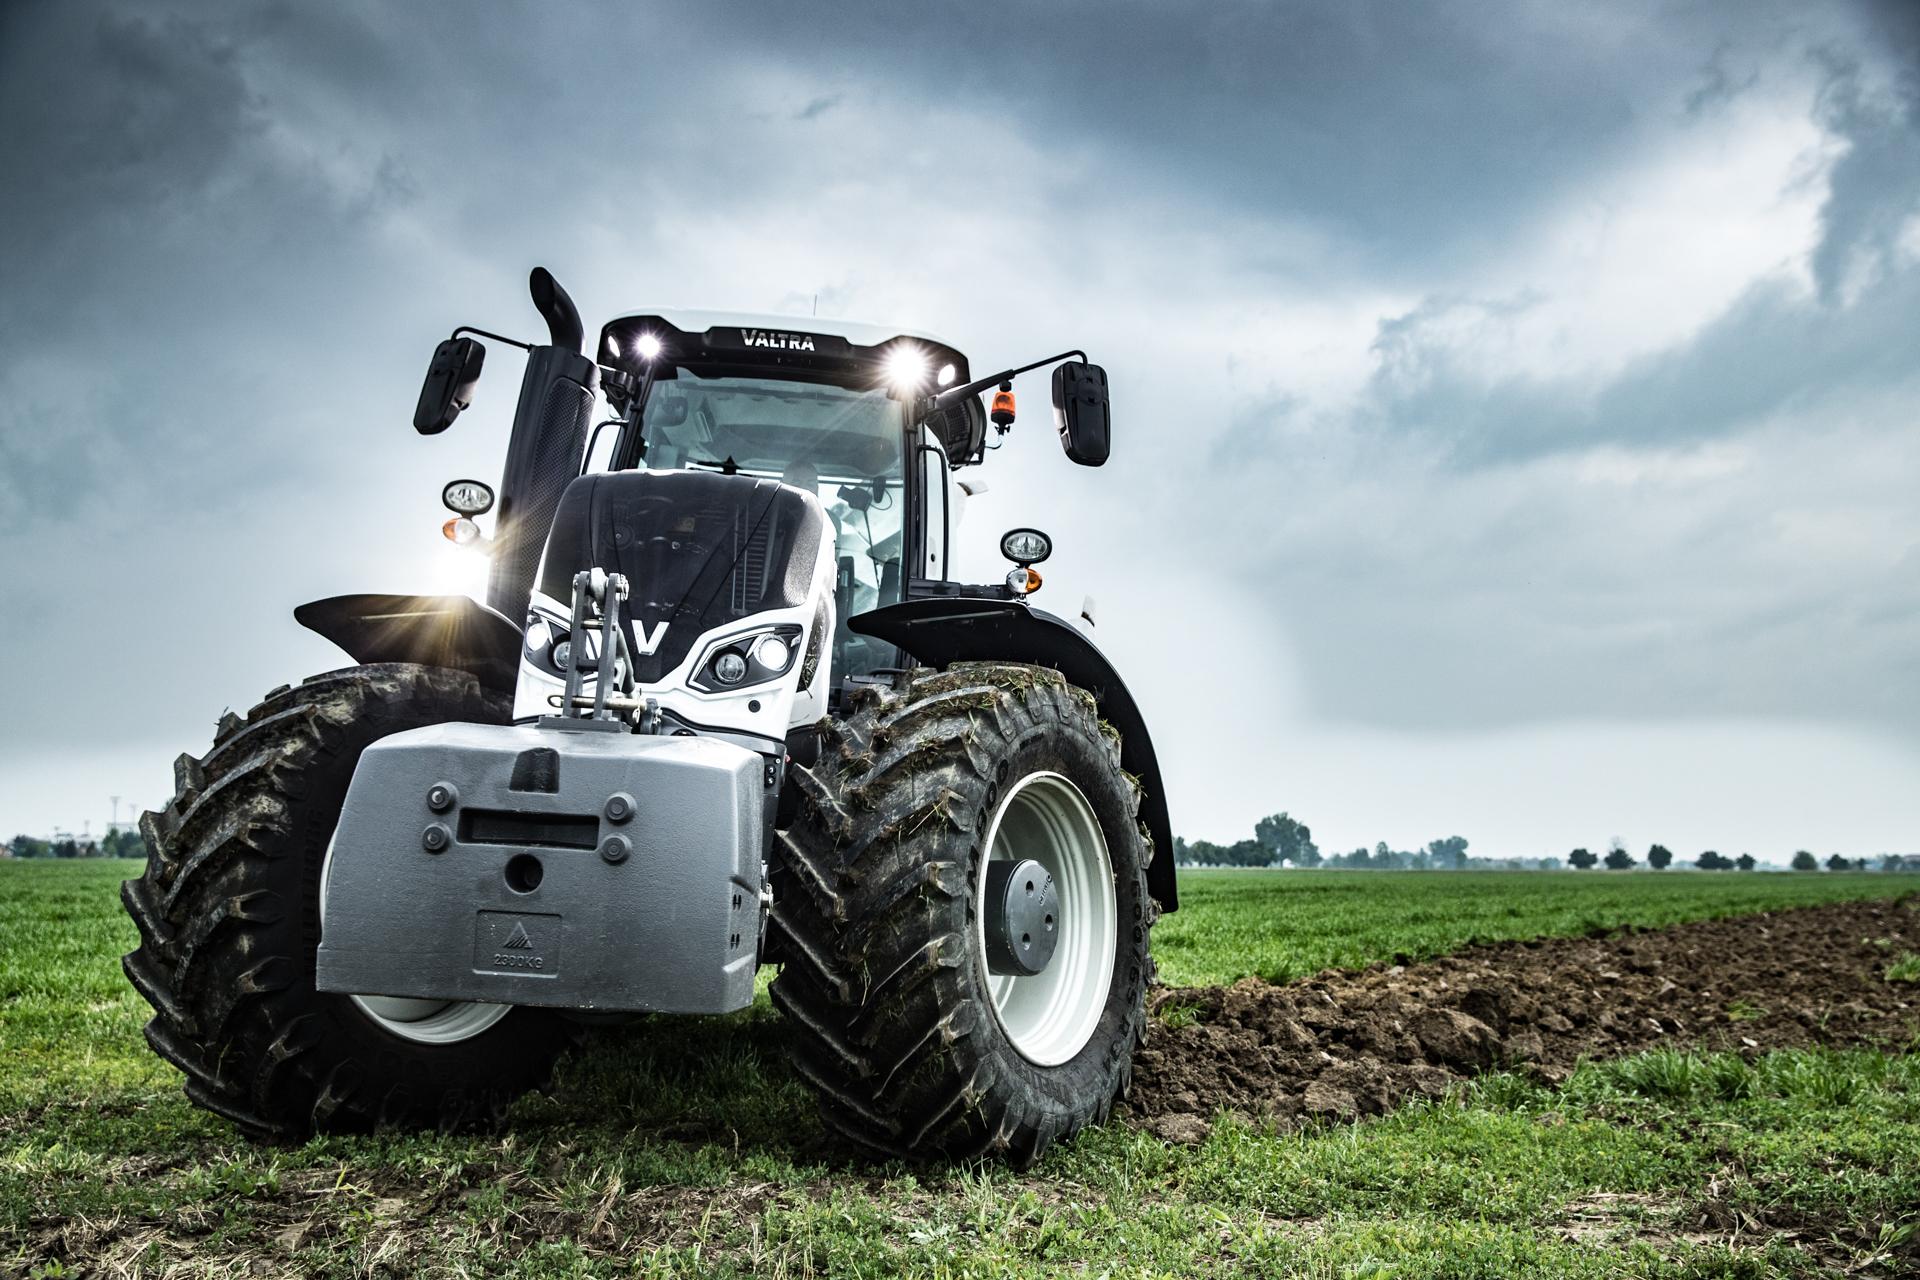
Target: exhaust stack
[543, 454]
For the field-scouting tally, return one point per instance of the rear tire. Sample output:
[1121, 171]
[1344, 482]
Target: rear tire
[228, 912]
[898, 1023]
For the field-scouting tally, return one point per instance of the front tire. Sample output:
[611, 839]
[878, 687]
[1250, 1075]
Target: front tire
[915, 1045]
[228, 912]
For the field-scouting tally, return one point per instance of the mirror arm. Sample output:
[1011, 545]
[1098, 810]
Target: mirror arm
[947, 397]
[467, 328]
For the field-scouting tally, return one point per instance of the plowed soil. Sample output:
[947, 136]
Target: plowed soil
[1343, 1045]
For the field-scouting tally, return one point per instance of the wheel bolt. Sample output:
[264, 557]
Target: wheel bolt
[614, 849]
[441, 797]
[435, 838]
[619, 807]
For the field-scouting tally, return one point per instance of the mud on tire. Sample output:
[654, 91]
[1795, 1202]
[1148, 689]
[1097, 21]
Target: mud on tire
[883, 982]
[228, 916]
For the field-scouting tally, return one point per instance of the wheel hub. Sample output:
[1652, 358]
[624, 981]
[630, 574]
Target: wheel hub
[1023, 917]
[1047, 994]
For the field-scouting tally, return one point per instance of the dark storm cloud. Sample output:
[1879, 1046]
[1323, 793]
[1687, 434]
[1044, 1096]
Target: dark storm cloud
[1410, 128]
[1875, 187]
[151, 308]
[1770, 350]
[1773, 350]
[230, 234]
[165, 108]
[1716, 526]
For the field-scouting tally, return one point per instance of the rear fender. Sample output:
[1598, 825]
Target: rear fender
[942, 631]
[434, 631]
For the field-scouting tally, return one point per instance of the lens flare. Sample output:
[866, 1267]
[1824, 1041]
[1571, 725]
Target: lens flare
[906, 367]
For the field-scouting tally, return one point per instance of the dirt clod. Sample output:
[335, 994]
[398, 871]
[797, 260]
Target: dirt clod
[1340, 1046]
[1455, 1039]
[1183, 1129]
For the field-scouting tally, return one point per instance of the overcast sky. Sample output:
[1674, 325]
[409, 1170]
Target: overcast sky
[1515, 404]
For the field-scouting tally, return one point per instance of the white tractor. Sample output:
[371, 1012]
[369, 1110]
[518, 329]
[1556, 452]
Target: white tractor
[724, 707]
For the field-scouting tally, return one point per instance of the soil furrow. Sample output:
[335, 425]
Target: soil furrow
[1342, 1045]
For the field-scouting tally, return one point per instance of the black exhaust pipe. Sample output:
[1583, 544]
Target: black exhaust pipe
[543, 455]
[563, 318]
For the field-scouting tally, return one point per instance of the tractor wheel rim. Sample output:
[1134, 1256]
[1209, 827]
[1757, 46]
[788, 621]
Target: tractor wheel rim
[1050, 1016]
[422, 1021]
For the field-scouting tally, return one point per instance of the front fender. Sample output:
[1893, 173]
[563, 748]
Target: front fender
[435, 631]
[940, 631]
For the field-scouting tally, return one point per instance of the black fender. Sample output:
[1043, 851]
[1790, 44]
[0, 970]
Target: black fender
[941, 631]
[435, 631]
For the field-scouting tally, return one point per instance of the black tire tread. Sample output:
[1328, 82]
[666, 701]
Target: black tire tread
[875, 871]
[229, 1010]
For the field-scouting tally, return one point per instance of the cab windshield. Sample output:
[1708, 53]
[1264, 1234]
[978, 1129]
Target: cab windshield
[846, 446]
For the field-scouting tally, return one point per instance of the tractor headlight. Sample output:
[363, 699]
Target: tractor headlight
[548, 644]
[745, 661]
[772, 653]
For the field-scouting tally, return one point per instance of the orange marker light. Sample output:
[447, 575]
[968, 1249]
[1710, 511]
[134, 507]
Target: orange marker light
[1023, 581]
[460, 530]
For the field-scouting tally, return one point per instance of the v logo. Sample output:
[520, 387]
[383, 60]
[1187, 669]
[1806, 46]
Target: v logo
[650, 640]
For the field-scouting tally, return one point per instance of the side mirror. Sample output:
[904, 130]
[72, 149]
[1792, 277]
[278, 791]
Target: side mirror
[449, 385]
[1080, 412]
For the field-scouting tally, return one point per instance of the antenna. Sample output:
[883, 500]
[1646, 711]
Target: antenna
[816, 304]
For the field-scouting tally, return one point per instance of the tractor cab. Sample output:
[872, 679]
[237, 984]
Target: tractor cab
[833, 409]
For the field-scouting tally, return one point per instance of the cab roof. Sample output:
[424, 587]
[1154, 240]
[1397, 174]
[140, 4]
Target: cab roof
[858, 333]
[709, 341]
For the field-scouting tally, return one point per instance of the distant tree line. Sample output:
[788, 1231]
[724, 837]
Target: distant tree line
[1281, 840]
[1277, 840]
[125, 843]
[1659, 857]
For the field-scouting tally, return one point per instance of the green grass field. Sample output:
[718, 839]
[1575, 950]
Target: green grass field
[683, 1147]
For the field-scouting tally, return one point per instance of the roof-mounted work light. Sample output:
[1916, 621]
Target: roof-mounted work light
[906, 367]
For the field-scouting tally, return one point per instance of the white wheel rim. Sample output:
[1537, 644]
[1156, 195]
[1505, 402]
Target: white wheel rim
[423, 1021]
[1051, 1015]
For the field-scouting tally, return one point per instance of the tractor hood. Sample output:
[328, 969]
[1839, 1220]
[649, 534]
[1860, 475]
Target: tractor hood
[702, 551]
